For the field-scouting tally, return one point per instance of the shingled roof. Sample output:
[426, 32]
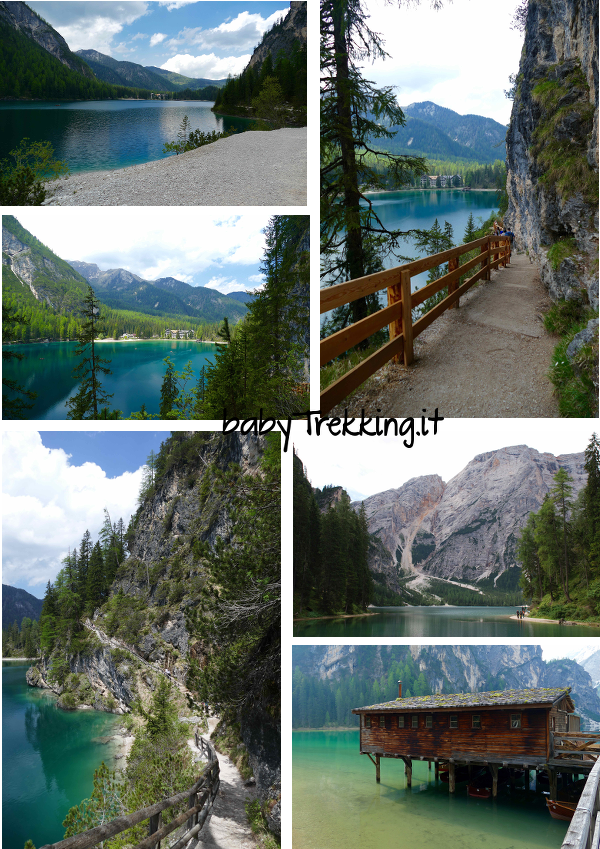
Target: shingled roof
[494, 698]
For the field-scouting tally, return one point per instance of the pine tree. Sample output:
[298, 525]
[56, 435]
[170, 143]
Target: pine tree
[169, 390]
[88, 401]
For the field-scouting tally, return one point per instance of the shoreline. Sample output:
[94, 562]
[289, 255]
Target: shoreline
[558, 621]
[98, 341]
[420, 189]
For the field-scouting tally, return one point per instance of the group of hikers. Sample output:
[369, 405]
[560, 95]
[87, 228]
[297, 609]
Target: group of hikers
[500, 231]
[521, 613]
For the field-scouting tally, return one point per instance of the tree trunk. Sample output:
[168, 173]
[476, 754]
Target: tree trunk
[354, 243]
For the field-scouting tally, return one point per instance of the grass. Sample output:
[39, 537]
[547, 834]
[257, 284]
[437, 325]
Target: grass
[573, 380]
[227, 738]
[341, 366]
[560, 251]
[258, 824]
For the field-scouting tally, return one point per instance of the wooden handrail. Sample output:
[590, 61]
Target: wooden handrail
[494, 252]
[583, 832]
[207, 786]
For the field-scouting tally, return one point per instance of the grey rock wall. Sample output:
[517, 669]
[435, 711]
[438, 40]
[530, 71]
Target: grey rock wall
[561, 38]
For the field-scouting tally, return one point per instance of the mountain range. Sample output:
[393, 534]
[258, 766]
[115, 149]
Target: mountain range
[121, 289]
[441, 133]
[464, 531]
[445, 669]
[37, 274]
[131, 74]
[16, 604]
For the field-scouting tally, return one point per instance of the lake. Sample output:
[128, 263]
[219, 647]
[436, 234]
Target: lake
[439, 622]
[137, 372]
[48, 759]
[417, 210]
[107, 134]
[338, 804]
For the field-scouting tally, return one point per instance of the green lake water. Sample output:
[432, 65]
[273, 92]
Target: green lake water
[337, 804]
[439, 622]
[107, 134]
[137, 372]
[48, 759]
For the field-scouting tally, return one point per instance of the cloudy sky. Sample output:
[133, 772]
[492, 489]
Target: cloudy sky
[459, 57]
[196, 39]
[55, 486]
[384, 463]
[221, 250]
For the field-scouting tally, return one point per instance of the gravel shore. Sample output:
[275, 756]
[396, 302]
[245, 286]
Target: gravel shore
[248, 169]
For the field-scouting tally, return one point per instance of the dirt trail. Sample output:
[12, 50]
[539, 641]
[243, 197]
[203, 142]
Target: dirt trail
[227, 827]
[489, 358]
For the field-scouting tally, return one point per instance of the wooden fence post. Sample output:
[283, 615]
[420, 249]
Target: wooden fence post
[407, 328]
[451, 778]
[377, 769]
[154, 823]
[452, 287]
[394, 296]
[485, 261]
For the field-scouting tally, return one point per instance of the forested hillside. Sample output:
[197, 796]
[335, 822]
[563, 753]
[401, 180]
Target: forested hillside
[29, 71]
[331, 545]
[559, 547]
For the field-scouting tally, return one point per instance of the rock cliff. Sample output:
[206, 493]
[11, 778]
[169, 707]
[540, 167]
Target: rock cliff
[552, 147]
[281, 37]
[457, 669]
[22, 18]
[465, 530]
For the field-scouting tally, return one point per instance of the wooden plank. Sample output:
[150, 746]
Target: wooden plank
[394, 297]
[345, 293]
[347, 338]
[407, 325]
[436, 285]
[342, 387]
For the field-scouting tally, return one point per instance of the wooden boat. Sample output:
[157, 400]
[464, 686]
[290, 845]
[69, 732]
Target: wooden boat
[561, 810]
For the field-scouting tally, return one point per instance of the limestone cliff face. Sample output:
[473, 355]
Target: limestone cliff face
[293, 28]
[21, 17]
[552, 146]
[464, 530]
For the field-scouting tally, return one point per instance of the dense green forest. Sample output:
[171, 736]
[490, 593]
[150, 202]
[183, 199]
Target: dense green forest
[239, 95]
[559, 547]
[21, 641]
[476, 175]
[331, 545]
[30, 72]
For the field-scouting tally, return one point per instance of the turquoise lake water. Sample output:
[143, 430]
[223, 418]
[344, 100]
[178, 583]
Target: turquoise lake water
[439, 622]
[417, 210]
[337, 804]
[106, 134]
[137, 372]
[48, 759]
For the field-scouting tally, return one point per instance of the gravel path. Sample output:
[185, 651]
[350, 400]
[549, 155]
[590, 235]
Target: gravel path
[248, 169]
[489, 358]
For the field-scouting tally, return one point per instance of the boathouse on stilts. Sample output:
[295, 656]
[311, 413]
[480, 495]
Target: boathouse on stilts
[515, 729]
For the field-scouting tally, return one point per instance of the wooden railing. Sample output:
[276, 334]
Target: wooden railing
[584, 830]
[573, 747]
[493, 252]
[199, 799]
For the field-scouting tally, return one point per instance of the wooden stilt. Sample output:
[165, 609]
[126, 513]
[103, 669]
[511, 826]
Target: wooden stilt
[451, 778]
[429, 767]
[437, 770]
[494, 768]
[409, 773]
[377, 768]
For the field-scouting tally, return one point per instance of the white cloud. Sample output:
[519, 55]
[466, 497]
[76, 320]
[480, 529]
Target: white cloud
[224, 285]
[207, 65]
[256, 278]
[157, 38]
[87, 23]
[190, 241]
[175, 4]
[139, 35]
[244, 32]
[48, 504]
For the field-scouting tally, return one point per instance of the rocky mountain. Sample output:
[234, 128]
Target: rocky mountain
[20, 17]
[552, 147]
[35, 272]
[122, 289]
[146, 627]
[282, 36]
[446, 669]
[441, 133]
[123, 73]
[464, 531]
[16, 604]
[178, 81]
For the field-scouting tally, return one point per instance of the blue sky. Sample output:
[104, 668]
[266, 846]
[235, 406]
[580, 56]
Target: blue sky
[198, 39]
[220, 249]
[55, 486]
